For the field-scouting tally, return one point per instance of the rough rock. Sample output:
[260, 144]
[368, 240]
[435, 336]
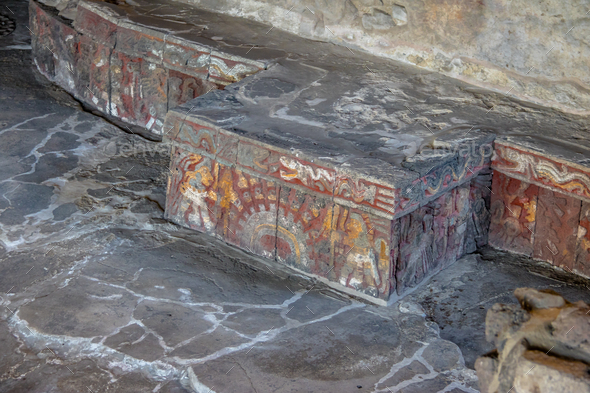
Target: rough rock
[502, 320]
[531, 299]
[540, 373]
[542, 347]
[486, 368]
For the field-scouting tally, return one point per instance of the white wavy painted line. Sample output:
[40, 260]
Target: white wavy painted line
[84, 347]
[305, 172]
[534, 167]
[220, 68]
[359, 190]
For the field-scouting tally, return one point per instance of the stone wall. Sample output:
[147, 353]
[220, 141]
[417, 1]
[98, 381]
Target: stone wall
[536, 51]
[541, 347]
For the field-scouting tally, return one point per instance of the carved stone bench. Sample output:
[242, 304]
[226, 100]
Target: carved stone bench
[364, 172]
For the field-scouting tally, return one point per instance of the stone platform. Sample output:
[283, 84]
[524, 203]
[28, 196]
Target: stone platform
[366, 173]
[107, 59]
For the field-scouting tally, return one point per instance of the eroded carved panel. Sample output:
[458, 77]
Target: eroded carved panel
[432, 237]
[192, 197]
[248, 211]
[557, 226]
[513, 214]
[303, 232]
[360, 247]
[582, 261]
[138, 91]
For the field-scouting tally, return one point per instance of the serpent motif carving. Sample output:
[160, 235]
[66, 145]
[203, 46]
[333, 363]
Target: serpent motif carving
[545, 171]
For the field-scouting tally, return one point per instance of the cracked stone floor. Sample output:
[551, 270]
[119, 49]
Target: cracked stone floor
[99, 294]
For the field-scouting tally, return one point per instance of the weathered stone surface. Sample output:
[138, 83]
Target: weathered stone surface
[125, 336]
[137, 41]
[121, 67]
[187, 57]
[227, 147]
[58, 47]
[486, 368]
[42, 25]
[349, 246]
[470, 156]
[109, 259]
[275, 163]
[224, 69]
[370, 184]
[407, 373]
[329, 162]
[206, 345]
[91, 22]
[184, 131]
[93, 73]
[415, 248]
[183, 45]
[458, 297]
[513, 214]
[367, 194]
[231, 206]
[471, 42]
[537, 347]
[443, 355]
[364, 138]
[478, 224]
[571, 328]
[254, 227]
[552, 164]
[308, 232]
[138, 91]
[183, 88]
[432, 237]
[557, 221]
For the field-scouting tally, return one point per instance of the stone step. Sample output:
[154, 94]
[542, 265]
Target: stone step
[364, 172]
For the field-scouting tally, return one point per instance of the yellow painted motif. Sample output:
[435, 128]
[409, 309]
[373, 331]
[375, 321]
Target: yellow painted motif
[242, 182]
[531, 210]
